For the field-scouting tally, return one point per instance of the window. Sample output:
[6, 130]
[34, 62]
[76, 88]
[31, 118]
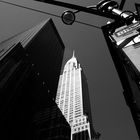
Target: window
[70, 121]
[77, 115]
[77, 110]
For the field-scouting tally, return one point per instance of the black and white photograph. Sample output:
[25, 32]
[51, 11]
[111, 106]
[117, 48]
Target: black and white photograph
[69, 70]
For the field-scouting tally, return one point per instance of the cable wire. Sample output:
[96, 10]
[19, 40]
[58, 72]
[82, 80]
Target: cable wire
[40, 11]
[87, 24]
[36, 10]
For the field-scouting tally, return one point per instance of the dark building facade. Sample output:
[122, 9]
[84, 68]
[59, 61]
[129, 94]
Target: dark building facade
[123, 43]
[51, 125]
[87, 105]
[44, 49]
[30, 64]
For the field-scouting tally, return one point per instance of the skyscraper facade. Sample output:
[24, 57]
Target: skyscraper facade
[73, 100]
[30, 65]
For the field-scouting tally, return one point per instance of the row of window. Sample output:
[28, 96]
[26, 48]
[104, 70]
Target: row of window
[77, 115]
[80, 128]
[78, 110]
[77, 106]
[81, 123]
[81, 119]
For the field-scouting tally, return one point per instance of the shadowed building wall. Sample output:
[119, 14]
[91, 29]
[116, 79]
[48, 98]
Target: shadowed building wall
[30, 64]
[50, 124]
[124, 49]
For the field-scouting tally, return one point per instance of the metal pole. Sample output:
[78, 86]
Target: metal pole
[122, 4]
[79, 8]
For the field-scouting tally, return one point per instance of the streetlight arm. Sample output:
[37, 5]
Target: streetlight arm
[92, 6]
[79, 8]
[122, 4]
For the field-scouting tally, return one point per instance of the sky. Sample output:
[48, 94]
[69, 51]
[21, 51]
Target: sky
[111, 116]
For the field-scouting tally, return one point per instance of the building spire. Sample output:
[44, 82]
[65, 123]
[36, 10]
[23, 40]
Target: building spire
[73, 54]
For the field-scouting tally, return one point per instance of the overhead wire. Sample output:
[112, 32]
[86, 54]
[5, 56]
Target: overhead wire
[48, 13]
[36, 10]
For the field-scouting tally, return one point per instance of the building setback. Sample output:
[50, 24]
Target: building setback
[44, 49]
[30, 64]
[73, 100]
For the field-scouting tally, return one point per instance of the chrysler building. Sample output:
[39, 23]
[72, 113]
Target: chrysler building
[73, 100]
